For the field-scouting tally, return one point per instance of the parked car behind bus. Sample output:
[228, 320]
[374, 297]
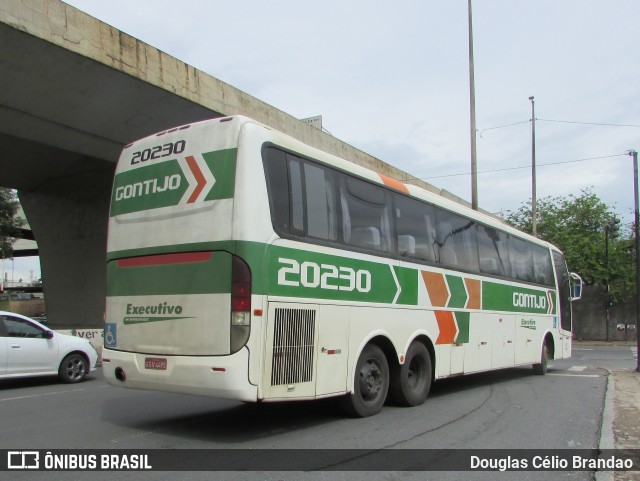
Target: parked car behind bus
[28, 349]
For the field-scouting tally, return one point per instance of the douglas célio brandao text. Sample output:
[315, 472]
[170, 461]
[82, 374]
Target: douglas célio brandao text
[549, 463]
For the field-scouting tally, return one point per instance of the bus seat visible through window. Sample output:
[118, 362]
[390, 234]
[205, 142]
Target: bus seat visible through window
[368, 237]
[489, 265]
[406, 245]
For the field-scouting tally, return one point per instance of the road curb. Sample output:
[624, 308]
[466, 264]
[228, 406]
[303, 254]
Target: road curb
[607, 440]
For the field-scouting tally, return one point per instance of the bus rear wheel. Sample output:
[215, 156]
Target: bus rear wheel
[410, 383]
[370, 385]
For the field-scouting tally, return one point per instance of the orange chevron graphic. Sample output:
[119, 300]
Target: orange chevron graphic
[200, 178]
[447, 326]
[473, 288]
[393, 183]
[550, 298]
[436, 288]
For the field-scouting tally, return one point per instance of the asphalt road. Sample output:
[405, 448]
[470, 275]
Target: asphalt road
[504, 409]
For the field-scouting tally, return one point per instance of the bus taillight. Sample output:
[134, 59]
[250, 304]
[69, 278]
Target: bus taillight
[240, 303]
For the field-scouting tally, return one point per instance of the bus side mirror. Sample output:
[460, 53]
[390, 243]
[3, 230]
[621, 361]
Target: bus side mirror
[576, 284]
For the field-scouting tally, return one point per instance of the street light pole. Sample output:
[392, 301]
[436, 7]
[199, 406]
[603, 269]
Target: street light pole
[533, 168]
[472, 101]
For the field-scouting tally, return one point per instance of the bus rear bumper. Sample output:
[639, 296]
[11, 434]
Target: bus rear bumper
[224, 377]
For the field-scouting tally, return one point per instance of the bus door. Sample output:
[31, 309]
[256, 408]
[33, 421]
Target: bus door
[564, 323]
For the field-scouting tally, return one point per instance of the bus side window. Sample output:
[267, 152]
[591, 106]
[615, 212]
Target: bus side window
[457, 241]
[320, 203]
[542, 266]
[278, 188]
[367, 210]
[521, 253]
[432, 249]
[493, 250]
[346, 219]
[297, 201]
[414, 230]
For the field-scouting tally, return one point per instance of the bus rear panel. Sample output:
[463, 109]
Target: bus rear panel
[178, 299]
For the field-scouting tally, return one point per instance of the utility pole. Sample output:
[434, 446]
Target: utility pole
[611, 230]
[533, 168]
[634, 154]
[607, 295]
[472, 101]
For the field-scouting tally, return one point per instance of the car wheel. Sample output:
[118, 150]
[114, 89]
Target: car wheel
[73, 368]
[371, 383]
[410, 383]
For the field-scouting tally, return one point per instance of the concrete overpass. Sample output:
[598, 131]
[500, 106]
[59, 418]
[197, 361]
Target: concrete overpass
[74, 92]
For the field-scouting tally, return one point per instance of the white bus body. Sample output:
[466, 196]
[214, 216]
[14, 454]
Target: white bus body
[244, 264]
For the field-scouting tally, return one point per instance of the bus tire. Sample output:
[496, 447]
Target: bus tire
[410, 382]
[370, 384]
[541, 368]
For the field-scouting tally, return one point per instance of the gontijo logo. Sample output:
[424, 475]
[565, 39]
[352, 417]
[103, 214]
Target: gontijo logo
[184, 180]
[520, 299]
[151, 186]
[193, 169]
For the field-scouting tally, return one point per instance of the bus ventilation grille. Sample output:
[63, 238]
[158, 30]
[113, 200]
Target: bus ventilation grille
[293, 346]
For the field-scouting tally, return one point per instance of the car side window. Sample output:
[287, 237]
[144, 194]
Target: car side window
[3, 329]
[17, 327]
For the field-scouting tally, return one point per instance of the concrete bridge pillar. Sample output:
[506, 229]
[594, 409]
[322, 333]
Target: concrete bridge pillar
[69, 222]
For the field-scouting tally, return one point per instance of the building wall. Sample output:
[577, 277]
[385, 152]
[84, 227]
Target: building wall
[26, 307]
[589, 316]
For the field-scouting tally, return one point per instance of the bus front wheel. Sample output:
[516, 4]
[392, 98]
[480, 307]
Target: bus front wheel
[371, 383]
[410, 383]
[541, 368]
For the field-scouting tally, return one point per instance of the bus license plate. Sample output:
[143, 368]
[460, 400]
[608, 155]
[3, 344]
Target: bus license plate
[155, 363]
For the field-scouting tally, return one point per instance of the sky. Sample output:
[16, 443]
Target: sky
[392, 79]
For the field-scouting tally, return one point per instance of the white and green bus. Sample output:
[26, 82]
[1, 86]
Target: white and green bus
[244, 264]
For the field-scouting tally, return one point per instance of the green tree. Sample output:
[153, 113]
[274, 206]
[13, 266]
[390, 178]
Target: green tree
[9, 223]
[575, 224]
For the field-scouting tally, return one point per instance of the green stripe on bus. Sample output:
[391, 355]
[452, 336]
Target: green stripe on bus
[298, 273]
[313, 275]
[462, 319]
[409, 283]
[502, 297]
[458, 291]
[222, 164]
[208, 277]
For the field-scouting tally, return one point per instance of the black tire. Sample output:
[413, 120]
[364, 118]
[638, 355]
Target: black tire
[371, 383]
[73, 369]
[410, 383]
[541, 368]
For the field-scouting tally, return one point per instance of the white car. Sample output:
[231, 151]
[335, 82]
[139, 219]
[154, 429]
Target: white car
[27, 348]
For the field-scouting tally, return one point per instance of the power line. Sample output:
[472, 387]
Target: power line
[523, 167]
[503, 126]
[587, 123]
[559, 122]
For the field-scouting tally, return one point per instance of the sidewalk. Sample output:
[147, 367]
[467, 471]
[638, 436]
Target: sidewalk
[626, 415]
[621, 416]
